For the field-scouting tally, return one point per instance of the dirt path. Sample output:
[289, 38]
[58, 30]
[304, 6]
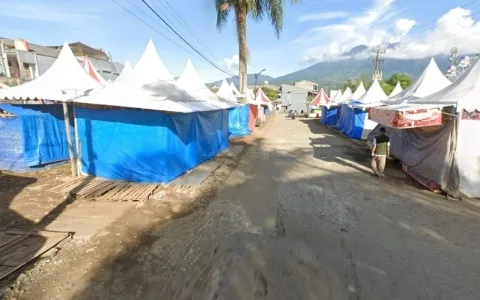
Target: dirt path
[299, 218]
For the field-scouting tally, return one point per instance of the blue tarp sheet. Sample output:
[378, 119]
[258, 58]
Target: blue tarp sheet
[34, 137]
[352, 121]
[148, 146]
[238, 120]
[329, 116]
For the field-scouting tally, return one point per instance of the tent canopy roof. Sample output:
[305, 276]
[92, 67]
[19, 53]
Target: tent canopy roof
[126, 72]
[190, 81]
[63, 80]
[464, 92]
[321, 98]
[375, 94]
[397, 90]
[225, 92]
[92, 71]
[430, 81]
[359, 92]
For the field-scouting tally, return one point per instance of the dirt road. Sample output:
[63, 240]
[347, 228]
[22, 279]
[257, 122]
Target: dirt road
[300, 218]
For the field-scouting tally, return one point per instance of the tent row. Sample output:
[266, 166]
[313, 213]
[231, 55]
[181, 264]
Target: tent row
[432, 125]
[143, 127]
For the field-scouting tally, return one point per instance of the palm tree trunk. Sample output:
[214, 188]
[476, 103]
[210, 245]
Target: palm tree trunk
[241, 18]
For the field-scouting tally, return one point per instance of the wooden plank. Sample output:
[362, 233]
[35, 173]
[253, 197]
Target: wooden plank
[104, 189]
[147, 192]
[127, 190]
[8, 238]
[35, 249]
[48, 244]
[89, 187]
[113, 191]
[66, 185]
[138, 193]
[44, 233]
[77, 184]
[21, 250]
[133, 190]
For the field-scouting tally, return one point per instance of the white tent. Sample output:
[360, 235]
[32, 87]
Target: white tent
[3, 86]
[127, 70]
[359, 92]
[150, 86]
[429, 82]
[63, 80]
[397, 90]
[226, 93]
[338, 96]
[90, 69]
[234, 88]
[372, 97]
[190, 81]
[347, 96]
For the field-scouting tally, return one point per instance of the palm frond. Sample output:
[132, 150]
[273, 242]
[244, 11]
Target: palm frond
[223, 8]
[275, 13]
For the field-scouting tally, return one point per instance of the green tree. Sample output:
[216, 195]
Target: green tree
[269, 92]
[404, 79]
[257, 10]
[387, 87]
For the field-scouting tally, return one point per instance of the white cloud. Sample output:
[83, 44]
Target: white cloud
[323, 16]
[455, 28]
[47, 12]
[380, 23]
[403, 26]
[366, 28]
[232, 63]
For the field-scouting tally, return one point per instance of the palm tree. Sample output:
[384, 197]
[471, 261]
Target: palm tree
[257, 9]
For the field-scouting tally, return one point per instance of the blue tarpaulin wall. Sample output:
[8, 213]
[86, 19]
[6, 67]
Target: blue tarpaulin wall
[148, 146]
[33, 138]
[352, 121]
[238, 120]
[329, 116]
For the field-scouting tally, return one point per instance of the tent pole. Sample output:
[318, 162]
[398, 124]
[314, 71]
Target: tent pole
[69, 138]
[77, 142]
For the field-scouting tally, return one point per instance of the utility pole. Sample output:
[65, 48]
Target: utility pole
[377, 62]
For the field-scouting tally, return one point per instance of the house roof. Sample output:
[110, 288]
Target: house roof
[80, 49]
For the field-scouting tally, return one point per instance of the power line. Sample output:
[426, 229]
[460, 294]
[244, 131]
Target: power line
[184, 40]
[153, 28]
[189, 29]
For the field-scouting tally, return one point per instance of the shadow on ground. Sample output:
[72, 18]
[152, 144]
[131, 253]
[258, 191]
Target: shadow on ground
[298, 221]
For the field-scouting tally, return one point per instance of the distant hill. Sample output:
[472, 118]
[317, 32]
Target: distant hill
[250, 80]
[328, 74]
[333, 73]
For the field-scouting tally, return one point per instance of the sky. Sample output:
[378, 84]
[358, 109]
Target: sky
[314, 31]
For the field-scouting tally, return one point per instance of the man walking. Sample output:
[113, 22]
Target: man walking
[380, 151]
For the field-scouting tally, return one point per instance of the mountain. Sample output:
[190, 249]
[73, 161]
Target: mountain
[250, 80]
[355, 51]
[331, 73]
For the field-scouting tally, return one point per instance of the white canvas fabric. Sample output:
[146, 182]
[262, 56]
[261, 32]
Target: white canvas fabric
[190, 81]
[234, 88]
[338, 96]
[90, 69]
[63, 80]
[430, 81]
[347, 96]
[150, 89]
[397, 90]
[251, 99]
[374, 95]
[126, 72]
[359, 92]
[225, 92]
[463, 92]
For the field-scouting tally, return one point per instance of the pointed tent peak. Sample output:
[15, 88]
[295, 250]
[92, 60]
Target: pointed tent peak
[234, 88]
[397, 90]
[321, 98]
[359, 92]
[430, 81]
[126, 72]
[347, 95]
[338, 96]
[374, 94]
[261, 97]
[225, 92]
[92, 71]
[150, 67]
